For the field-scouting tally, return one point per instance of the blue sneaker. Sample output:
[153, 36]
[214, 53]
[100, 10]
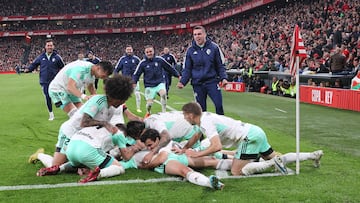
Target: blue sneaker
[215, 183]
[279, 165]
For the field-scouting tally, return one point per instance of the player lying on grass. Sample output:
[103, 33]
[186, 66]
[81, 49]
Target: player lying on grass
[250, 140]
[179, 164]
[173, 126]
[97, 111]
[88, 148]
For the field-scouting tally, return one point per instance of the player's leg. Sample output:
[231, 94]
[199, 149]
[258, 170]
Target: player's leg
[161, 90]
[112, 168]
[247, 153]
[200, 95]
[303, 156]
[174, 167]
[45, 90]
[137, 97]
[207, 161]
[149, 96]
[40, 155]
[214, 91]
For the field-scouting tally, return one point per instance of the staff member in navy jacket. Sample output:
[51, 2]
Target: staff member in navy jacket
[127, 65]
[50, 64]
[204, 65]
[170, 58]
[154, 77]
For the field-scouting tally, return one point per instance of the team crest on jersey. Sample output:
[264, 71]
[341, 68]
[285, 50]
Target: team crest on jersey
[53, 59]
[133, 61]
[156, 64]
[208, 51]
[195, 53]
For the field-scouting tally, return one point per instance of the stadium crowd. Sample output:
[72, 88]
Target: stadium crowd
[253, 41]
[42, 7]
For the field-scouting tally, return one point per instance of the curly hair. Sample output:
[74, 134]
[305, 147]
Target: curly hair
[119, 87]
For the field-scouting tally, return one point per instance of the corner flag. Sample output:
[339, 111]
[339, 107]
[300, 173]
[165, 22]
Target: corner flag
[298, 54]
[297, 51]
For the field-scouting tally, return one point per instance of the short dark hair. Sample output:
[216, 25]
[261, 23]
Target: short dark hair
[193, 108]
[199, 27]
[49, 40]
[106, 66]
[151, 134]
[119, 87]
[134, 129]
[149, 46]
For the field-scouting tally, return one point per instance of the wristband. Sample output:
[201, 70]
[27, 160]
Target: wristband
[83, 96]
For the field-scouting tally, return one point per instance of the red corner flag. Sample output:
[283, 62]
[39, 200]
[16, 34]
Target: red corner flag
[297, 50]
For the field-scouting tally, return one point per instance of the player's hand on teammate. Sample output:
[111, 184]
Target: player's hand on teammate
[147, 158]
[191, 153]
[112, 129]
[177, 150]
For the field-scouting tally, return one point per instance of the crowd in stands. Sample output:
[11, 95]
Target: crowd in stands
[178, 18]
[50, 7]
[259, 40]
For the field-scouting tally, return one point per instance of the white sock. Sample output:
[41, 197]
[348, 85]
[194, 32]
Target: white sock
[45, 159]
[72, 112]
[291, 157]
[163, 103]
[224, 164]
[51, 116]
[138, 99]
[198, 179]
[255, 167]
[112, 170]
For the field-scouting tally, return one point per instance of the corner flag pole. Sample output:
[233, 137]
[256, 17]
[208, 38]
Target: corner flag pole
[297, 123]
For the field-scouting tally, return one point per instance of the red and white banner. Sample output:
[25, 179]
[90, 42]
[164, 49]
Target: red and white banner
[297, 51]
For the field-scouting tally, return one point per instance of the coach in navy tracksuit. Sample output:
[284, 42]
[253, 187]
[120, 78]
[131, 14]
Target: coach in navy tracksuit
[154, 79]
[204, 65]
[50, 64]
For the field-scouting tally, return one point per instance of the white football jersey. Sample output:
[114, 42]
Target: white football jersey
[173, 122]
[230, 131]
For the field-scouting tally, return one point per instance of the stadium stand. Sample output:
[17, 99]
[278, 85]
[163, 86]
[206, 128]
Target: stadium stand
[258, 37]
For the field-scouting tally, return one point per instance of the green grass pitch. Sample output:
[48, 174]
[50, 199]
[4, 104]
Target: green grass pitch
[24, 128]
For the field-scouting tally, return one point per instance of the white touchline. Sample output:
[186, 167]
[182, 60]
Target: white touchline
[61, 185]
[220, 174]
[280, 110]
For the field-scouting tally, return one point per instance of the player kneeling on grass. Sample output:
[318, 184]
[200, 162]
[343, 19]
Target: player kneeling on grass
[87, 148]
[250, 140]
[175, 164]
